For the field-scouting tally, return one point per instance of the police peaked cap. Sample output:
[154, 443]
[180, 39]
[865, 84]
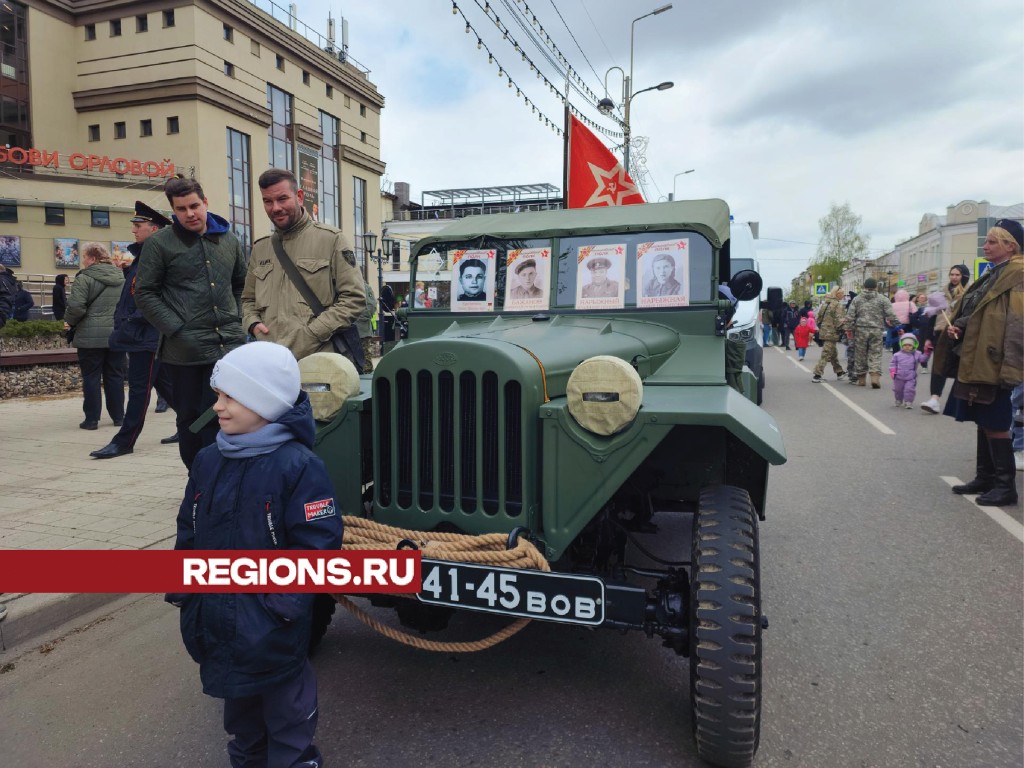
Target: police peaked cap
[144, 213]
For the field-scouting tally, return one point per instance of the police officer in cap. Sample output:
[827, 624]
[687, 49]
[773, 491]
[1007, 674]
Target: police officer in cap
[132, 334]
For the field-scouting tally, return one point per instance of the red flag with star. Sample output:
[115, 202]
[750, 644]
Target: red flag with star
[596, 177]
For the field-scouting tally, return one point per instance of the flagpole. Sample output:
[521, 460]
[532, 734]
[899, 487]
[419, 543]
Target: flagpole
[565, 144]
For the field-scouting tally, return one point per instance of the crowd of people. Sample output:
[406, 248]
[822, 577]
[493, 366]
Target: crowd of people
[971, 334]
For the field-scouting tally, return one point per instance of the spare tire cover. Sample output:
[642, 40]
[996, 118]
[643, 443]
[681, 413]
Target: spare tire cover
[604, 394]
[329, 379]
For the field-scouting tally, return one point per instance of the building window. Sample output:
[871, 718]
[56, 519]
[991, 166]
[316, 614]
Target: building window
[305, 77]
[359, 218]
[172, 124]
[100, 217]
[328, 169]
[362, 136]
[169, 18]
[229, 33]
[280, 105]
[55, 214]
[330, 91]
[90, 31]
[142, 23]
[94, 133]
[8, 211]
[15, 128]
[348, 101]
[254, 47]
[279, 61]
[145, 127]
[362, 110]
[229, 69]
[239, 187]
[120, 130]
[115, 28]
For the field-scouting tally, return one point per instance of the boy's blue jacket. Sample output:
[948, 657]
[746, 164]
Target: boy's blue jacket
[245, 643]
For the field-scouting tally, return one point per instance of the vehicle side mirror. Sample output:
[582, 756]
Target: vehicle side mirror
[746, 285]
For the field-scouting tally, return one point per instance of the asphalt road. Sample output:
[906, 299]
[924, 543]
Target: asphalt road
[895, 640]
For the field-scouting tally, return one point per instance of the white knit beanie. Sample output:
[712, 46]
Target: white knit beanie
[262, 376]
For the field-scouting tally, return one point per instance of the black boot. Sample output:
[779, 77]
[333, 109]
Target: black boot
[1004, 492]
[984, 475]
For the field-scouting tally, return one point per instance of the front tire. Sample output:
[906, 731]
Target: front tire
[725, 628]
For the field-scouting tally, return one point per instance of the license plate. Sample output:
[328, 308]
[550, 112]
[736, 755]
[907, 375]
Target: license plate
[529, 594]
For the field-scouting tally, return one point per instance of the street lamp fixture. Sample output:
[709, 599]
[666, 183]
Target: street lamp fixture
[606, 106]
[674, 178]
[369, 246]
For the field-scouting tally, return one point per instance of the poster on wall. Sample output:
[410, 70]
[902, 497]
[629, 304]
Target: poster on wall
[119, 252]
[473, 281]
[309, 180]
[526, 281]
[601, 276]
[10, 250]
[663, 269]
[65, 253]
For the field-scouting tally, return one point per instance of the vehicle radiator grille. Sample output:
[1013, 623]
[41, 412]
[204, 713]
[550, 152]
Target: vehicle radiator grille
[450, 441]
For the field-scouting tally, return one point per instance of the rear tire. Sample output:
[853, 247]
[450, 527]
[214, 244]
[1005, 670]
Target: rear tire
[725, 628]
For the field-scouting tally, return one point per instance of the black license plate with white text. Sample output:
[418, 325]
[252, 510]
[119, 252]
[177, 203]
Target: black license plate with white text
[529, 594]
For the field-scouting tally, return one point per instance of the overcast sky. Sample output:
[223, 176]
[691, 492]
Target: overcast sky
[899, 108]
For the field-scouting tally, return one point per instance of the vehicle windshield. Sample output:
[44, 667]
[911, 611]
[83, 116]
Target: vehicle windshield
[590, 272]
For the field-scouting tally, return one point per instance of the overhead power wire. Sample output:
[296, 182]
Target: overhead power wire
[503, 72]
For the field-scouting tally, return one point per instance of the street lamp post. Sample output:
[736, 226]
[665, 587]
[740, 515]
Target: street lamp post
[606, 105]
[681, 173]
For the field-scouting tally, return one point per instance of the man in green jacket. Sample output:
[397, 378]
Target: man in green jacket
[273, 309]
[189, 287]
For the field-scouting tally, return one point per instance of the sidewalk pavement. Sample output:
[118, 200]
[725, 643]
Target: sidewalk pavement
[53, 495]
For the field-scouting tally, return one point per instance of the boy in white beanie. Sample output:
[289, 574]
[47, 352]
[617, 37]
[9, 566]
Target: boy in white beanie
[259, 487]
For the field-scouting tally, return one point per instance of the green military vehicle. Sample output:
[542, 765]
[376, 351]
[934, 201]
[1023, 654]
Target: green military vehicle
[569, 384]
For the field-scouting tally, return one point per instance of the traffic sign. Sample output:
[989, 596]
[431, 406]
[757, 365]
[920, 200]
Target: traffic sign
[821, 289]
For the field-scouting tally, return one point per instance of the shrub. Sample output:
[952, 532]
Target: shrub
[23, 330]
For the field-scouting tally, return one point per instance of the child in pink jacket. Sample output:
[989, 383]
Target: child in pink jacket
[802, 338]
[903, 370]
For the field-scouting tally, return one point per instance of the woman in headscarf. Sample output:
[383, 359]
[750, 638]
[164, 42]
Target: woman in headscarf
[984, 346]
[958, 277]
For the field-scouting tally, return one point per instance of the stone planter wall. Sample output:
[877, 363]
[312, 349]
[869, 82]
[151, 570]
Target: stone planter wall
[32, 380]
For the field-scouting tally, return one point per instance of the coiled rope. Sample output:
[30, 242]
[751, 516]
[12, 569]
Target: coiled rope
[486, 549]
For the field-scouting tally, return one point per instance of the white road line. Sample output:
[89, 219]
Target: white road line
[995, 513]
[847, 401]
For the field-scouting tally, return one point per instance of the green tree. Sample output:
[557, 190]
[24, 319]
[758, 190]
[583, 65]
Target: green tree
[840, 243]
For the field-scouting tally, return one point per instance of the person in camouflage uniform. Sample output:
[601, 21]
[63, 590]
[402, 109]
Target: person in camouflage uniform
[830, 316]
[868, 315]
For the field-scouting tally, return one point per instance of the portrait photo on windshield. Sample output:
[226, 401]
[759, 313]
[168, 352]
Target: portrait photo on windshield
[473, 280]
[526, 278]
[663, 268]
[601, 280]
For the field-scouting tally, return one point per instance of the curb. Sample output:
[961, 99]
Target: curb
[31, 616]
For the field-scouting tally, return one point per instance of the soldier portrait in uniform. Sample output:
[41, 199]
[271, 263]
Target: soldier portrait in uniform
[600, 286]
[526, 274]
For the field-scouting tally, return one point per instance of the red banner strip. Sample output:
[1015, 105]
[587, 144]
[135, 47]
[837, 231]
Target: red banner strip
[116, 571]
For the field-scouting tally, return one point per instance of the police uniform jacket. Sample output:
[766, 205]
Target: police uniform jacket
[132, 333]
[189, 287]
[91, 304]
[247, 642]
[325, 262]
